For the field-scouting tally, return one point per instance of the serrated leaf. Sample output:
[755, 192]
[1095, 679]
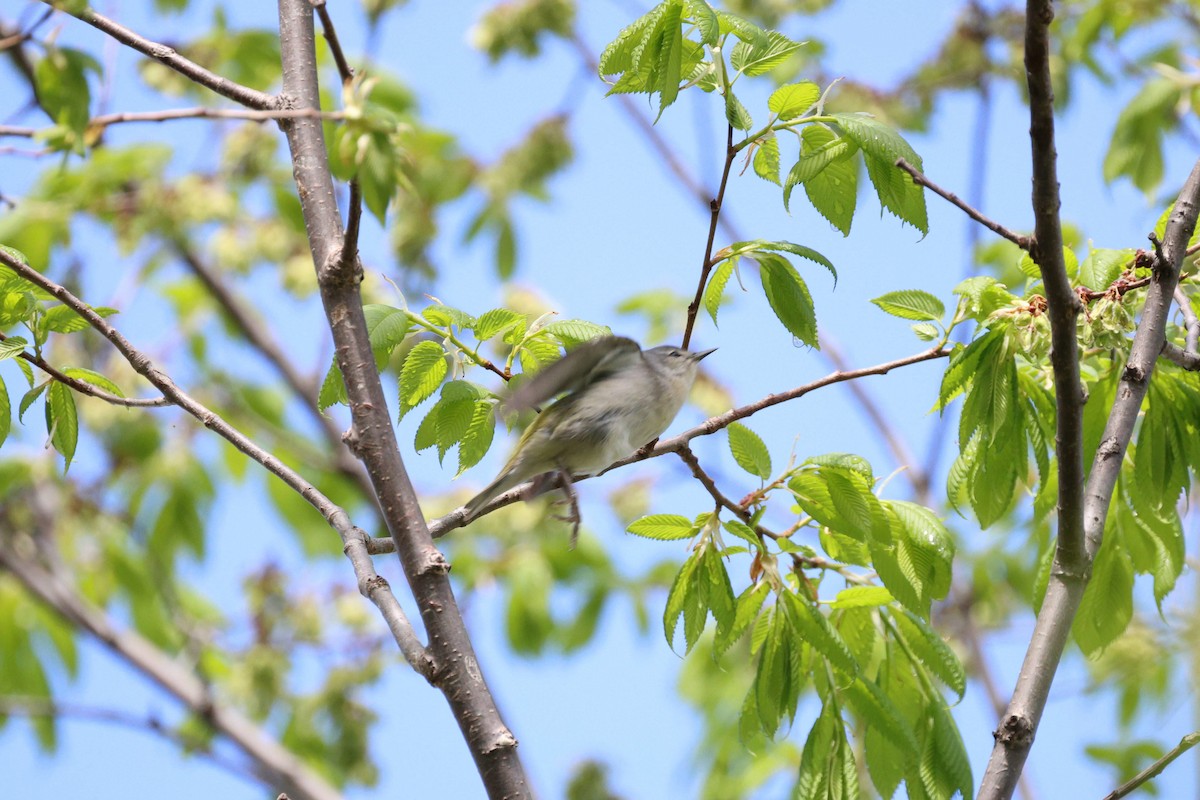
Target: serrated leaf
[477, 439]
[789, 298]
[766, 160]
[422, 373]
[333, 389]
[678, 597]
[670, 58]
[760, 245]
[932, 651]
[926, 331]
[749, 450]
[813, 627]
[573, 332]
[912, 304]
[746, 608]
[1102, 267]
[64, 319]
[882, 147]
[760, 56]
[386, 328]
[716, 287]
[446, 316]
[5, 412]
[28, 398]
[663, 527]
[833, 192]
[1107, 604]
[862, 597]
[94, 378]
[12, 346]
[792, 99]
[705, 19]
[493, 323]
[62, 421]
[742, 531]
[736, 113]
[874, 706]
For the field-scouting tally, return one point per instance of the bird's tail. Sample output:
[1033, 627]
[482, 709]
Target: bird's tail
[505, 481]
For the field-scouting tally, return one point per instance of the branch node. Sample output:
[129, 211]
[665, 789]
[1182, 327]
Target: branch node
[1014, 731]
[434, 563]
[1134, 373]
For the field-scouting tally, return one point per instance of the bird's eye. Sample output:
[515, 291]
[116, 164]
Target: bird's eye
[676, 353]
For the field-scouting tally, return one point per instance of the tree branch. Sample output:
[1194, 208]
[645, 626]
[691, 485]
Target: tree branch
[1014, 736]
[455, 667]
[1191, 323]
[1152, 771]
[354, 539]
[251, 98]
[715, 216]
[1023, 242]
[199, 112]
[86, 388]
[278, 764]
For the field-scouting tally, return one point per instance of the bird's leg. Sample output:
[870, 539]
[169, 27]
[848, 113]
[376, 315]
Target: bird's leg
[573, 516]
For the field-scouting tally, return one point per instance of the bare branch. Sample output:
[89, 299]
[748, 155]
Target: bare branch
[919, 178]
[251, 98]
[353, 539]
[1191, 323]
[335, 46]
[199, 112]
[457, 518]
[1152, 771]
[278, 765]
[715, 216]
[455, 668]
[83, 387]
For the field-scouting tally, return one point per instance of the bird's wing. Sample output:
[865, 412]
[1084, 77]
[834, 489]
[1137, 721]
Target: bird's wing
[582, 366]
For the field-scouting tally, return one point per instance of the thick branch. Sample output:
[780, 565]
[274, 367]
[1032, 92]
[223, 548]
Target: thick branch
[1015, 734]
[277, 764]
[251, 98]
[455, 667]
[353, 539]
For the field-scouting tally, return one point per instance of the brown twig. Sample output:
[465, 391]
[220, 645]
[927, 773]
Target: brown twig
[715, 216]
[199, 112]
[1152, 771]
[86, 388]
[251, 98]
[1023, 242]
[335, 46]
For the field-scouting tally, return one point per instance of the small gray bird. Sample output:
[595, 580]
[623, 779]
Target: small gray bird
[620, 398]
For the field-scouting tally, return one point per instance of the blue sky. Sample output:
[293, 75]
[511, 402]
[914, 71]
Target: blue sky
[619, 224]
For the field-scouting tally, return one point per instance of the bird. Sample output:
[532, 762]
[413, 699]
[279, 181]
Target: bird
[619, 398]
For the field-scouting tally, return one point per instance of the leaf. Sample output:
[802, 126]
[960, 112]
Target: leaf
[93, 378]
[746, 609]
[5, 412]
[572, 332]
[736, 113]
[64, 319]
[62, 422]
[813, 627]
[766, 160]
[1107, 604]
[1102, 267]
[477, 439]
[333, 388]
[912, 304]
[492, 323]
[874, 706]
[789, 297]
[792, 99]
[29, 397]
[760, 56]
[12, 346]
[663, 527]
[679, 596]
[749, 450]
[422, 373]
[716, 287]
[705, 19]
[670, 58]
[759, 245]
[882, 147]
[862, 597]
[827, 769]
[386, 328]
[931, 651]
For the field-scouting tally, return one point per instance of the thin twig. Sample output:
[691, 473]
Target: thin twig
[335, 47]
[715, 216]
[1185, 744]
[86, 388]
[1191, 323]
[457, 518]
[1023, 242]
[353, 538]
[353, 222]
[44, 707]
[199, 112]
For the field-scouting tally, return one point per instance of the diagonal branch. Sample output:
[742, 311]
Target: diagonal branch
[199, 112]
[83, 387]
[919, 178]
[354, 539]
[455, 668]
[251, 98]
[277, 764]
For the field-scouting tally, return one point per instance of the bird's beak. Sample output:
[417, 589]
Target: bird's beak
[704, 353]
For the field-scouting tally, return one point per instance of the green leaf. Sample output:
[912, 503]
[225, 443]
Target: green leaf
[386, 328]
[746, 609]
[477, 439]
[736, 113]
[64, 319]
[862, 597]
[762, 55]
[749, 450]
[716, 287]
[833, 192]
[678, 597]
[878, 711]
[670, 58]
[926, 331]
[705, 19]
[573, 332]
[1102, 267]
[882, 147]
[422, 373]
[931, 651]
[663, 527]
[766, 160]
[813, 627]
[493, 323]
[333, 389]
[792, 99]
[93, 378]
[827, 768]
[62, 422]
[446, 316]
[12, 346]
[29, 397]
[1107, 604]
[911, 304]
[789, 297]
[5, 412]
[760, 245]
